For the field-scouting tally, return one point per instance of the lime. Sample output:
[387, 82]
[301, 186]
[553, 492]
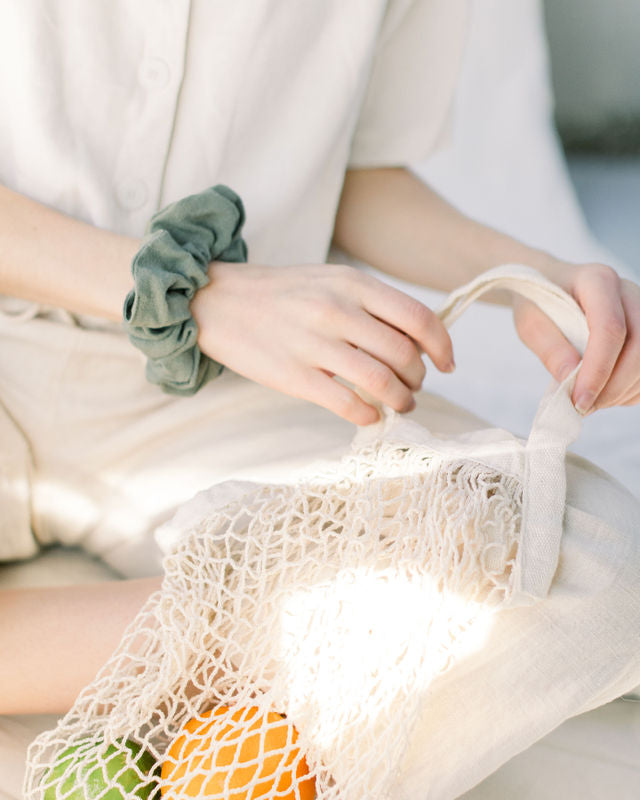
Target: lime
[92, 767]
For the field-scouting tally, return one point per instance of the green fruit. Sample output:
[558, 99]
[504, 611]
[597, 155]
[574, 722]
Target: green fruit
[87, 778]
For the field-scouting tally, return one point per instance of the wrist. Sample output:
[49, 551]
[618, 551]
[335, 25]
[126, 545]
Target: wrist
[203, 305]
[503, 249]
[555, 269]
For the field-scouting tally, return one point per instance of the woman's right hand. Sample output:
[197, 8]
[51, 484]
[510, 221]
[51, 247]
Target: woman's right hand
[296, 329]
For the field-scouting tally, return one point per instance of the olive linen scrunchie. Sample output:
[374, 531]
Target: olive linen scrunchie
[171, 265]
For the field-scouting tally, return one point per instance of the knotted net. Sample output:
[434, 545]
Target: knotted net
[291, 647]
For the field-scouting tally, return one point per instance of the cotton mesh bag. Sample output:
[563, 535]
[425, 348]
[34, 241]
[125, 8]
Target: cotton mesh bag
[290, 649]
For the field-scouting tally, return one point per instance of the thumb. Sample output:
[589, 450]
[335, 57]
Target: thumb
[544, 338]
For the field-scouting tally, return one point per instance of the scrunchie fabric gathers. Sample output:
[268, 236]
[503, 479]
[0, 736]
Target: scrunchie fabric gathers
[171, 265]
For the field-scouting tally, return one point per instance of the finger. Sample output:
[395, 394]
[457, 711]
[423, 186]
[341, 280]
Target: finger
[632, 398]
[612, 397]
[633, 401]
[388, 345]
[545, 339]
[412, 318]
[366, 372]
[624, 383]
[599, 296]
[618, 390]
[322, 390]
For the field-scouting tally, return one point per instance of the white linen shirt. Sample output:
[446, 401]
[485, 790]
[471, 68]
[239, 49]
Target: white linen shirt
[112, 109]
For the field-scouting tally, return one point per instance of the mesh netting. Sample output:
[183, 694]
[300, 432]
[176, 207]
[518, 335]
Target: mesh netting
[290, 649]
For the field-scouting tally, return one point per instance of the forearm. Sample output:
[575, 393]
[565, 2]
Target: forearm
[53, 259]
[54, 640]
[390, 219]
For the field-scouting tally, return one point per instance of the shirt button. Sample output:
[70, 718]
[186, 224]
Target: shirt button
[154, 73]
[132, 194]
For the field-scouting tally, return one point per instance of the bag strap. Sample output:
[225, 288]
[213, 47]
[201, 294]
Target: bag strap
[559, 306]
[556, 413]
[556, 425]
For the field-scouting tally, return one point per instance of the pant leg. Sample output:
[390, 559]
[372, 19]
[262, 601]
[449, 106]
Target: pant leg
[113, 456]
[16, 537]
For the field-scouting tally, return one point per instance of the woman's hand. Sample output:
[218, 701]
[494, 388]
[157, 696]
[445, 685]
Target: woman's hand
[610, 373]
[296, 329]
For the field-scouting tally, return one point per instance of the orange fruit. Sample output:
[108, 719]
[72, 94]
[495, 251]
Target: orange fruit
[244, 755]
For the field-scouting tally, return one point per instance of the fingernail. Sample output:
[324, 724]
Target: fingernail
[412, 404]
[450, 367]
[584, 402]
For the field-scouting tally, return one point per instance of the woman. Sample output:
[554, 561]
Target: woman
[310, 112]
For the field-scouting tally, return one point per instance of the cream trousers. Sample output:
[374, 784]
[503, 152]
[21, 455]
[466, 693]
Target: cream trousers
[92, 455]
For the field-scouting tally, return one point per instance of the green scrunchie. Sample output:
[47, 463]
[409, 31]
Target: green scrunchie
[168, 270]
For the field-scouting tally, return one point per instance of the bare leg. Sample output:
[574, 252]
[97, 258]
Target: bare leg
[54, 640]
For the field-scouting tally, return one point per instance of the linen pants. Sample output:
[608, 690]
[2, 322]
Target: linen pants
[109, 457]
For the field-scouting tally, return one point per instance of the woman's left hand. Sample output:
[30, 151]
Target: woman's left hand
[610, 372]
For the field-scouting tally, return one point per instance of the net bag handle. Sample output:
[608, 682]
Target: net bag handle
[556, 424]
[556, 415]
[559, 306]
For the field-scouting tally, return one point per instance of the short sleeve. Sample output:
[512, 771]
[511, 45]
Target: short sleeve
[408, 104]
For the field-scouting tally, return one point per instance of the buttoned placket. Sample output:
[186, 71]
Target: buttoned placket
[145, 143]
